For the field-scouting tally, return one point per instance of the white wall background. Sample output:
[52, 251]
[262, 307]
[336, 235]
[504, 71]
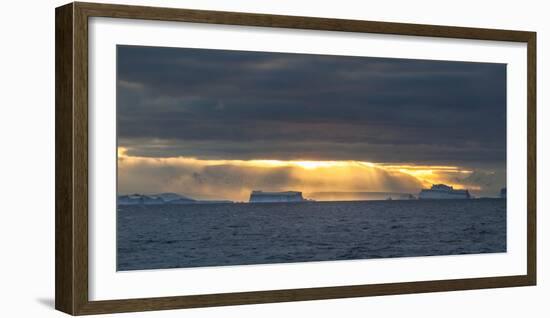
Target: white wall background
[27, 158]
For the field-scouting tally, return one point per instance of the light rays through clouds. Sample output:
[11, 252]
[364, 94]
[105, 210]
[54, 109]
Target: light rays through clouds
[215, 124]
[235, 179]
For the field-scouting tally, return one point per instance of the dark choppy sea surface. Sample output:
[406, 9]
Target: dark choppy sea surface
[173, 236]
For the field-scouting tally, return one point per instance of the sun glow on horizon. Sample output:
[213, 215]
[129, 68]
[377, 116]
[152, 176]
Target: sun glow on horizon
[307, 175]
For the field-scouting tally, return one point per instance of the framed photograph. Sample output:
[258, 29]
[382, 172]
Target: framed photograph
[211, 158]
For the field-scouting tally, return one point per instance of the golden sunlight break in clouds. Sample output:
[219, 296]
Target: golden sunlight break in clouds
[235, 179]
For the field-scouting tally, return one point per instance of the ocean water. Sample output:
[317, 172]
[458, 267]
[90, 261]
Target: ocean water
[174, 236]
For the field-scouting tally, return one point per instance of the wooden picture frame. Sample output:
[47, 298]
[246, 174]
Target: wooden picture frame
[72, 280]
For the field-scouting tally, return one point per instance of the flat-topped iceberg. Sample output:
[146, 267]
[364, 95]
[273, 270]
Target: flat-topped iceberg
[285, 196]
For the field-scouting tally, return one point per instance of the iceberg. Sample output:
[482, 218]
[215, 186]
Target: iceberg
[287, 196]
[443, 191]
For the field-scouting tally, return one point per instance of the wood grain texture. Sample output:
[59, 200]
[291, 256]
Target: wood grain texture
[165, 303]
[64, 235]
[297, 22]
[532, 158]
[72, 158]
[80, 144]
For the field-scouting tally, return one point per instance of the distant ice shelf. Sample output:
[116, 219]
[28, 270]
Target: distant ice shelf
[162, 198]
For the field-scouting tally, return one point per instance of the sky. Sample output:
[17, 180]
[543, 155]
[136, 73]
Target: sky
[216, 124]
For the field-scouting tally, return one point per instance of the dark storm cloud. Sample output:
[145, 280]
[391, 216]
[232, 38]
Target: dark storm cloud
[244, 105]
